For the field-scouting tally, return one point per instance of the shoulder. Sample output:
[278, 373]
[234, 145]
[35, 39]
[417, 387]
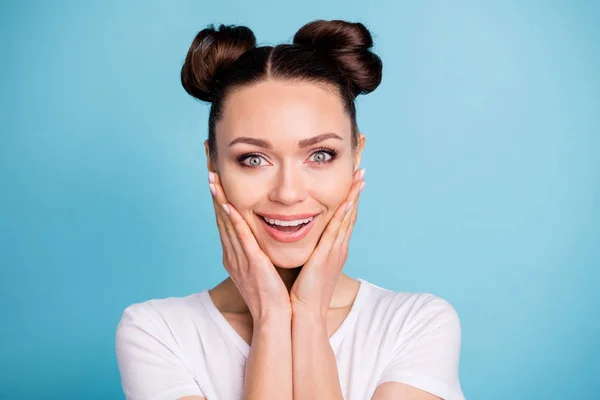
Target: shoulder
[153, 349]
[422, 339]
[160, 315]
[410, 313]
[415, 303]
[430, 308]
[168, 307]
[163, 327]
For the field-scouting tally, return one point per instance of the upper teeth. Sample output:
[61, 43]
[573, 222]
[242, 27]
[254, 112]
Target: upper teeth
[288, 223]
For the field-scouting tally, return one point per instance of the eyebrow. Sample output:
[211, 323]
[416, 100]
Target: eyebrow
[302, 144]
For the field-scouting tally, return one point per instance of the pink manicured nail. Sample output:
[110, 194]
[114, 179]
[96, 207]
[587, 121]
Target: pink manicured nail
[226, 209]
[349, 206]
[362, 186]
[212, 189]
[211, 177]
[362, 173]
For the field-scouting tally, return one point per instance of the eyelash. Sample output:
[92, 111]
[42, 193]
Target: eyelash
[332, 153]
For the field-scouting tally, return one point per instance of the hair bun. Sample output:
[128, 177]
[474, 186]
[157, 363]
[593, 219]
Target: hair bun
[348, 44]
[211, 53]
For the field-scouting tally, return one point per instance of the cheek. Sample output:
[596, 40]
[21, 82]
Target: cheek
[332, 192]
[242, 192]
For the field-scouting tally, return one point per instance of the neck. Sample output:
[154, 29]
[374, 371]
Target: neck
[228, 298]
[288, 275]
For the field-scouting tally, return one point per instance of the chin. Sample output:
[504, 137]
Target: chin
[289, 258]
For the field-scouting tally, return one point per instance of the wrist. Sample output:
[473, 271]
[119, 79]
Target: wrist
[310, 315]
[306, 310]
[272, 318]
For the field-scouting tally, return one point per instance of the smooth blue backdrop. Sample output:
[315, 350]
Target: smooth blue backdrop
[483, 161]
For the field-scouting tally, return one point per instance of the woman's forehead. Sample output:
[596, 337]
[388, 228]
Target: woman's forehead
[283, 110]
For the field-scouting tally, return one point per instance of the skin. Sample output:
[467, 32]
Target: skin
[288, 181]
[285, 298]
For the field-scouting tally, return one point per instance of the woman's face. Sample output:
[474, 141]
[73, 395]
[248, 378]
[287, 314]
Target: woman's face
[285, 157]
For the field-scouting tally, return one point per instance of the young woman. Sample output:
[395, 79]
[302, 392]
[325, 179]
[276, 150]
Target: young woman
[283, 155]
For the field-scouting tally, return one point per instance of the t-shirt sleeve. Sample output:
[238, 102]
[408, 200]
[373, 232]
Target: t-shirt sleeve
[428, 349]
[150, 364]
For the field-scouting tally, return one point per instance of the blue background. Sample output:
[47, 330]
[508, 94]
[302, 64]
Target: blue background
[483, 160]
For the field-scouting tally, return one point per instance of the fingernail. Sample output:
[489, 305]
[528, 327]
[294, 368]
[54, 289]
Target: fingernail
[212, 189]
[362, 173]
[226, 209]
[362, 186]
[211, 177]
[349, 206]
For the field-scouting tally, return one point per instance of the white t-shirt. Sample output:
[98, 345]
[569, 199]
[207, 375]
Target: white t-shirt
[182, 346]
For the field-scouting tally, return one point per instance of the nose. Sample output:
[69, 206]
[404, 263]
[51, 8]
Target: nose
[288, 186]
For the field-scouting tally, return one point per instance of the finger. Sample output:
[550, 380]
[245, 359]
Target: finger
[220, 218]
[219, 200]
[240, 229]
[244, 234]
[359, 175]
[351, 217]
[333, 229]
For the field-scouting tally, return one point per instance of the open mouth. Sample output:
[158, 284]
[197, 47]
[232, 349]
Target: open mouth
[287, 231]
[287, 226]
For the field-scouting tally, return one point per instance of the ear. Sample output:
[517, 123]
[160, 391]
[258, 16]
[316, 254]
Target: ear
[360, 146]
[209, 164]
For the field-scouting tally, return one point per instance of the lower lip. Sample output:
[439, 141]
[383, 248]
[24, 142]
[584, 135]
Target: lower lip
[287, 237]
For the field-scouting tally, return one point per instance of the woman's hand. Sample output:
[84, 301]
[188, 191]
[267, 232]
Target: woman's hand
[248, 266]
[314, 287]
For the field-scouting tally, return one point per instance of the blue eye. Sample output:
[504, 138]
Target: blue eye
[257, 160]
[253, 161]
[320, 157]
[323, 156]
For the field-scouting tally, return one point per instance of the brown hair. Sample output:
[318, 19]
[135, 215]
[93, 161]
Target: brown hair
[327, 52]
